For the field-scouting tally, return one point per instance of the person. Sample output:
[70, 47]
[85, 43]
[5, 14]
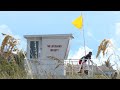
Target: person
[83, 61]
[88, 56]
[85, 67]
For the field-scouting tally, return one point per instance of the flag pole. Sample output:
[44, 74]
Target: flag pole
[84, 41]
[83, 37]
[85, 50]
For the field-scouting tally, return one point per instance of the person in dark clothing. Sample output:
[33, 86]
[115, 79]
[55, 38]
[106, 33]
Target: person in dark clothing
[85, 58]
[88, 56]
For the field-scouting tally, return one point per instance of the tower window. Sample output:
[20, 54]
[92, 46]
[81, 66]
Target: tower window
[34, 49]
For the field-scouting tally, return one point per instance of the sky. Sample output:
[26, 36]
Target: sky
[97, 25]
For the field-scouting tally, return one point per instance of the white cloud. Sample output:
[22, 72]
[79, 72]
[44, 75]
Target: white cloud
[96, 60]
[116, 37]
[5, 29]
[99, 61]
[89, 34]
[118, 49]
[78, 54]
[81, 52]
[117, 29]
[112, 51]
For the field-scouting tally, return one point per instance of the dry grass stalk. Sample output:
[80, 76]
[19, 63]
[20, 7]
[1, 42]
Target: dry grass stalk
[103, 46]
[58, 60]
[8, 45]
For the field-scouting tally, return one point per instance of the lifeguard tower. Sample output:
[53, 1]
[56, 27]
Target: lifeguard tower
[46, 53]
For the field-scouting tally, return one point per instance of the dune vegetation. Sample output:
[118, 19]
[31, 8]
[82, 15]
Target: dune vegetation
[11, 64]
[12, 60]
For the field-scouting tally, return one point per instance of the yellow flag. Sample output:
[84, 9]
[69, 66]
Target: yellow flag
[78, 22]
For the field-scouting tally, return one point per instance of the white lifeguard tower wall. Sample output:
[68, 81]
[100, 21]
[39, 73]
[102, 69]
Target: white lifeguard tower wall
[51, 51]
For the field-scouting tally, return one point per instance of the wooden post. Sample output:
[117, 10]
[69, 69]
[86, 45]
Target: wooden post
[92, 69]
[88, 68]
[72, 67]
